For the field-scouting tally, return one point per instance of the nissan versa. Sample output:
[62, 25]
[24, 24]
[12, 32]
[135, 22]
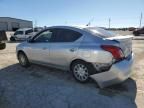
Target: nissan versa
[87, 52]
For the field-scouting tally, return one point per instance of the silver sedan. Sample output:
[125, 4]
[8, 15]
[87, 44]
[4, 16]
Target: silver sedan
[87, 52]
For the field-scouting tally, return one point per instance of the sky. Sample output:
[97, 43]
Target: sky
[123, 13]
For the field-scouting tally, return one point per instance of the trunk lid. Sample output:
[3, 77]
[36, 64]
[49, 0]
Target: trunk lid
[125, 43]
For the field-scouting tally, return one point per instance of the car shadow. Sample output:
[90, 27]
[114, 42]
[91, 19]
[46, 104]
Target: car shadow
[124, 93]
[127, 88]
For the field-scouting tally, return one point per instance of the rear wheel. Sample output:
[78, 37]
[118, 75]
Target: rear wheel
[23, 60]
[81, 71]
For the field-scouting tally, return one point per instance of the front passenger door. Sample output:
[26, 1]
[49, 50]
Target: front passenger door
[38, 49]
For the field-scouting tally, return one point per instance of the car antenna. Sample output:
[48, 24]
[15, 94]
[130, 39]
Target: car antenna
[89, 23]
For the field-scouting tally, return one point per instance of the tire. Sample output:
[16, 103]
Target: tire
[81, 71]
[23, 60]
[12, 39]
[2, 46]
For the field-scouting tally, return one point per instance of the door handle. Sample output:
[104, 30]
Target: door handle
[73, 49]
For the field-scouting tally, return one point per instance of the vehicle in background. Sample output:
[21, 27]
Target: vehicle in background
[139, 31]
[24, 33]
[131, 28]
[88, 52]
[3, 40]
[38, 29]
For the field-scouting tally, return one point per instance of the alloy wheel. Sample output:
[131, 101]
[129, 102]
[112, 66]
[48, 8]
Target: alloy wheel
[81, 72]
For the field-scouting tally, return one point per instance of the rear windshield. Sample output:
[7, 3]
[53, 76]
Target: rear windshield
[101, 32]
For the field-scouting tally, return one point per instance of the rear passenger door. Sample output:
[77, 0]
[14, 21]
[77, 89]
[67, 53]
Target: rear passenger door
[63, 47]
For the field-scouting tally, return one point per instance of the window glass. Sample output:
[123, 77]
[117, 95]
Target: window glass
[18, 33]
[37, 29]
[28, 31]
[101, 32]
[44, 36]
[65, 35]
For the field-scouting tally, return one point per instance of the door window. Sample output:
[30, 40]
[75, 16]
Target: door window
[43, 36]
[65, 35]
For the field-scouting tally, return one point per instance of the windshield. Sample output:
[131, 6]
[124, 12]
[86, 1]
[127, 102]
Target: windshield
[101, 32]
[18, 33]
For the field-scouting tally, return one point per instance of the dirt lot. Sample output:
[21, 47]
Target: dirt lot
[43, 87]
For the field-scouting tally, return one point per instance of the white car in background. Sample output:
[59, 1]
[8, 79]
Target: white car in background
[23, 34]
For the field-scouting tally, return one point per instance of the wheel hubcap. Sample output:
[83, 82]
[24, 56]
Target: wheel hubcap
[81, 72]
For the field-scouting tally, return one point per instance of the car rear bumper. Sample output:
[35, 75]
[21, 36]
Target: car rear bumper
[118, 73]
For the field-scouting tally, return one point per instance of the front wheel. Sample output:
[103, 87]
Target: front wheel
[81, 71]
[23, 60]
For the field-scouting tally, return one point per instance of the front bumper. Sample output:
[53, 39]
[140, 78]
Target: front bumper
[118, 73]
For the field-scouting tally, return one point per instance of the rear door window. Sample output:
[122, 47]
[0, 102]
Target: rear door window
[65, 35]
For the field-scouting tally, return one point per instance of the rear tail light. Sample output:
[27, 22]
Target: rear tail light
[115, 51]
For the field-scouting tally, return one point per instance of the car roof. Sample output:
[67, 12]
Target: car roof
[79, 27]
[83, 28]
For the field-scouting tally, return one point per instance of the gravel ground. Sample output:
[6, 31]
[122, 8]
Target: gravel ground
[43, 87]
